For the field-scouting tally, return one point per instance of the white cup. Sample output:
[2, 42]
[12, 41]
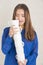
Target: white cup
[15, 23]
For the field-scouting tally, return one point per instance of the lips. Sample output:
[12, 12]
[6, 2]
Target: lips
[20, 21]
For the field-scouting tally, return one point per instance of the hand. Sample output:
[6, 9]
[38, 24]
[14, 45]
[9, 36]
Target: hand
[13, 30]
[21, 63]
[25, 61]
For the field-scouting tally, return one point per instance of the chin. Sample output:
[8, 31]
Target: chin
[21, 24]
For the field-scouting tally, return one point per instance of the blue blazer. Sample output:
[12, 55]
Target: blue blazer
[8, 48]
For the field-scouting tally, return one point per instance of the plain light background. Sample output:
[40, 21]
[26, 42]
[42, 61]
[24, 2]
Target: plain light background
[36, 12]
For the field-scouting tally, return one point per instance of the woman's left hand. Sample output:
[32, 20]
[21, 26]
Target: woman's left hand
[20, 63]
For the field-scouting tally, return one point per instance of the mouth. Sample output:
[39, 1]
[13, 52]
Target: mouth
[20, 21]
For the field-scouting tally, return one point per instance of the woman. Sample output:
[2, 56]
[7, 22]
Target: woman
[29, 37]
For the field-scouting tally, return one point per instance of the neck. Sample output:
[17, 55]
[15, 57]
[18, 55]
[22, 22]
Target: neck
[22, 27]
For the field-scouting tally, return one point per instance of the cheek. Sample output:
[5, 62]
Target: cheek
[24, 19]
[16, 18]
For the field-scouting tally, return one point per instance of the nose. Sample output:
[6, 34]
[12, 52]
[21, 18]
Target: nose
[19, 18]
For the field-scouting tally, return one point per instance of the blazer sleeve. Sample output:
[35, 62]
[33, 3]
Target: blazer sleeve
[6, 42]
[34, 52]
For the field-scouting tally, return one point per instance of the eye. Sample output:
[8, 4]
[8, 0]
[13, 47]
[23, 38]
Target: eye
[17, 15]
[23, 16]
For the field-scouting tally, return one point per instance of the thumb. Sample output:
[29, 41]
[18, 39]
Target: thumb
[25, 61]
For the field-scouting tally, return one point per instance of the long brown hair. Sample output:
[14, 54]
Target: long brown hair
[29, 31]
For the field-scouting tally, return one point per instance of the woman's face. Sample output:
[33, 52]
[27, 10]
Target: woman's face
[20, 16]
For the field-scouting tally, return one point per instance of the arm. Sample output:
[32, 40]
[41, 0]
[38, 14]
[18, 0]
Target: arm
[34, 53]
[6, 42]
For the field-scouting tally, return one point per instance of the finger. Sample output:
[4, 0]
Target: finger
[16, 30]
[14, 26]
[25, 61]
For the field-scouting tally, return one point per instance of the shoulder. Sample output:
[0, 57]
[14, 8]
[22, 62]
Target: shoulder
[6, 30]
[36, 36]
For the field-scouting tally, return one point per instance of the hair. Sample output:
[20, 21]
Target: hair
[29, 30]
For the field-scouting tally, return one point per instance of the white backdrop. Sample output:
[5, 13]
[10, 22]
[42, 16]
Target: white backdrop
[36, 11]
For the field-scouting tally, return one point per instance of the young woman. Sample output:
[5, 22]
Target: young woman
[29, 37]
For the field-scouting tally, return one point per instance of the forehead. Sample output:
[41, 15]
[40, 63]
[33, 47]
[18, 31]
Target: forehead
[20, 11]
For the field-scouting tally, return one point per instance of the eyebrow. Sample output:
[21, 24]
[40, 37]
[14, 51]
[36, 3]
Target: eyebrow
[18, 14]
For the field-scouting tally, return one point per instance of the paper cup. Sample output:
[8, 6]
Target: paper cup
[15, 23]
